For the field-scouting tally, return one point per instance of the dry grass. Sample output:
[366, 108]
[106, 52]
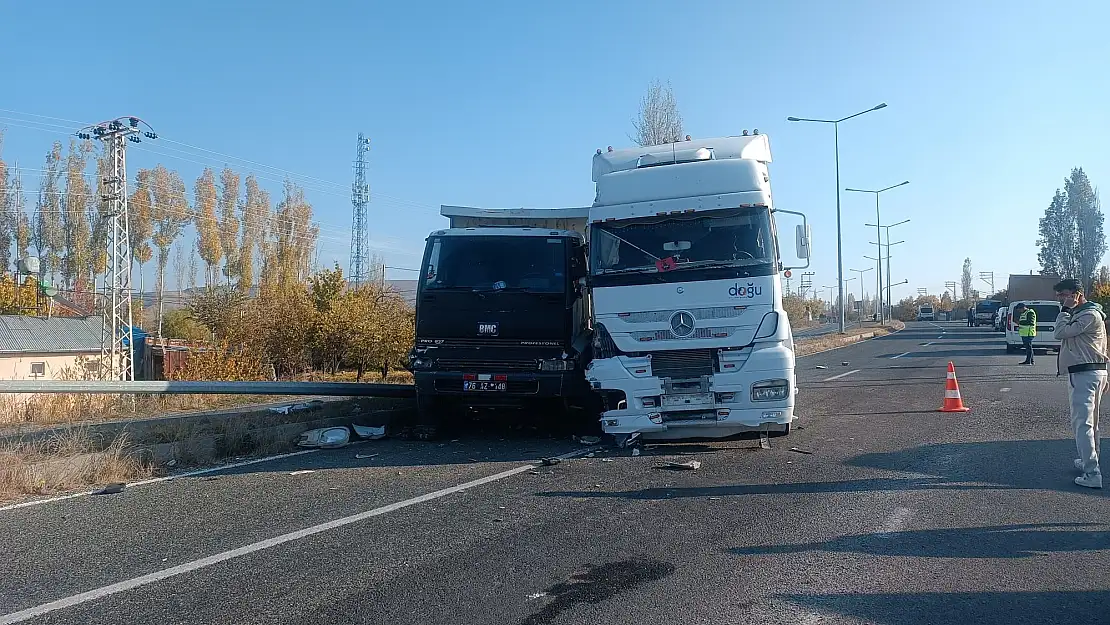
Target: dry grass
[51, 409]
[66, 462]
[807, 346]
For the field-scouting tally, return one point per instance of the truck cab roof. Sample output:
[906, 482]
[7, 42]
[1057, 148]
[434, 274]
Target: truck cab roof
[506, 232]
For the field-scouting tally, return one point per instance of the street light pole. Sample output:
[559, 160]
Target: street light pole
[861, 294]
[888, 244]
[879, 235]
[836, 152]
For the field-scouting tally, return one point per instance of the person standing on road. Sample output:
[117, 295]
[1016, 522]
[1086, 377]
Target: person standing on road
[1081, 330]
[1027, 329]
[971, 317]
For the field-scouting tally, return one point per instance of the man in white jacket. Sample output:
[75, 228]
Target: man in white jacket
[1081, 329]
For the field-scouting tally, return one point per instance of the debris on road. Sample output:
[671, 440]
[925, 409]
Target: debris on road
[325, 438]
[606, 459]
[369, 433]
[302, 472]
[822, 367]
[800, 451]
[635, 451]
[590, 455]
[692, 465]
[550, 462]
[315, 403]
[110, 489]
[627, 440]
[844, 364]
[365, 456]
[589, 440]
[764, 440]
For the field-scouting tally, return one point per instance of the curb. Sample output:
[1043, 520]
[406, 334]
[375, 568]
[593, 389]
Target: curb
[852, 340]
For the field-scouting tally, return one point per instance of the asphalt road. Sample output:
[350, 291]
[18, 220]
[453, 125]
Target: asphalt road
[878, 509]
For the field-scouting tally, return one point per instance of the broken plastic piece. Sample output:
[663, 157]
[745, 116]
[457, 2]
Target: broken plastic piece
[111, 489]
[635, 451]
[302, 472]
[800, 451]
[550, 462]
[365, 456]
[844, 364]
[368, 432]
[589, 440]
[822, 367]
[325, 438]
[692, 465]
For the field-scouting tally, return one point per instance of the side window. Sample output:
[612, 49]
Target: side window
[432, 270]
[38, 369]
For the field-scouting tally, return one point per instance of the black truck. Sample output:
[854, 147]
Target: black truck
[502, 321]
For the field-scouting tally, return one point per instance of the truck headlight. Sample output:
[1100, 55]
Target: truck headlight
[556, 365]
[770, 390]
[421, 363]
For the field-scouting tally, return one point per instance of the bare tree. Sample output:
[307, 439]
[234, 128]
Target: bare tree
[658, 121]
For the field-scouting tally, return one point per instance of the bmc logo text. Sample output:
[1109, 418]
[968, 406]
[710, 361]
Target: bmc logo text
[750, 290]
[487, 329]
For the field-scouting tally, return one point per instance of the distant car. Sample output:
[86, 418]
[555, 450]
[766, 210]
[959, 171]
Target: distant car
[1047, 312]
[925, 312]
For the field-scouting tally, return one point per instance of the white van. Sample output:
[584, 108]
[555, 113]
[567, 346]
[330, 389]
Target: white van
[1047, 312]
[925, 312]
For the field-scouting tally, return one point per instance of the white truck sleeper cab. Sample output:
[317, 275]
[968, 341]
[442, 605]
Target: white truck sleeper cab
[690, 336]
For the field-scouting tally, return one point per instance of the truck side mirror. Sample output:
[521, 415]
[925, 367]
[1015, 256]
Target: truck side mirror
[803, 236]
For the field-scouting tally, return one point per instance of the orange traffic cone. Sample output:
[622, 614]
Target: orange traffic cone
[952, 400]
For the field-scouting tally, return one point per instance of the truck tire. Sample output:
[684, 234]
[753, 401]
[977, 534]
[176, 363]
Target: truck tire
[432, 417]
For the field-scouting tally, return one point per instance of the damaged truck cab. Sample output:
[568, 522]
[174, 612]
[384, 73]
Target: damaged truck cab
[690, 336]
[502, 317]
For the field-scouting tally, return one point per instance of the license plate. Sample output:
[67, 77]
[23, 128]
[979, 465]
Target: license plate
[679, 401]
[485, 386]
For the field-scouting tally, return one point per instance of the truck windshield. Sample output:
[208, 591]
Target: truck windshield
[687, 241]
[496, 263]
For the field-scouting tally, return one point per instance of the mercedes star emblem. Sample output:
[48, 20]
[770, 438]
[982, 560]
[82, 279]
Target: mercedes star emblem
[682, 324]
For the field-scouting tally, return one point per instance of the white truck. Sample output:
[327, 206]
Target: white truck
[690, 338]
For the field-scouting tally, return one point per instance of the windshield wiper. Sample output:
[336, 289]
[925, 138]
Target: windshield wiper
[710, 264]
[611, 272]
[507, 289]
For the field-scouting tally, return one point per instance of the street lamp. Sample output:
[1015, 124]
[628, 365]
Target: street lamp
[861, 295]
[888, 245]
[836, 150]
[879, 235]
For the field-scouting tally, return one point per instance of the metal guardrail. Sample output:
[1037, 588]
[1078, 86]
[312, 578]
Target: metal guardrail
[339, 389]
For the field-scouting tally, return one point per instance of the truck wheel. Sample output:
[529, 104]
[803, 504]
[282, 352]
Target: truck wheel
[431, 417]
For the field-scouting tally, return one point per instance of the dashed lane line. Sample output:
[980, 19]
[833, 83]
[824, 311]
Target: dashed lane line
[188, 567]
[842, 375]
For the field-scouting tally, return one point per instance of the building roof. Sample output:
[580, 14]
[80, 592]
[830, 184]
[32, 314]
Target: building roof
[20, 334]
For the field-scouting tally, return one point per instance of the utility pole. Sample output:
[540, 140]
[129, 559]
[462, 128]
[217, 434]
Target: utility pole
[117, 342]
[807, 283]
[988, 277]
[879, 237]
[360, 197]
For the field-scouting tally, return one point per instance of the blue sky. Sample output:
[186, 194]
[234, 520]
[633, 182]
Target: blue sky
[991, 104]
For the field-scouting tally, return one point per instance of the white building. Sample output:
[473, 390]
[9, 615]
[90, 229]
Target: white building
[33, 348]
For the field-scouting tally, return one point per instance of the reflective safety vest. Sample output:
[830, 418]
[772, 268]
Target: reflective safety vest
[1027, 323]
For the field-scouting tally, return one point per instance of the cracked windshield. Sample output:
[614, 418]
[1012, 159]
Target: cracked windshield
[623, 313]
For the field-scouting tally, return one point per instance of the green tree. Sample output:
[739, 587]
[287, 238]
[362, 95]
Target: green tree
[220, 309]
[180, 324]
[229, 222]
[140, 211]
[75, 222]
[171, 214]
[22, 222]
[1072, 238]
[48, 235]
[7, 214]
[1090, 240]
[208, 226]
[256, 212]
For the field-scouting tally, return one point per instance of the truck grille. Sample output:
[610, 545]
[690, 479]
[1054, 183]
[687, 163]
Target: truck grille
[492, 366]
[682, 363]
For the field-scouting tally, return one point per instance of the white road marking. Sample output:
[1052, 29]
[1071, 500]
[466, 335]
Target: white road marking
[1004, 389]
[896, 522]
[155, 480]
[927, 344]
[842, 375]
[900, 355]
[188, 567]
